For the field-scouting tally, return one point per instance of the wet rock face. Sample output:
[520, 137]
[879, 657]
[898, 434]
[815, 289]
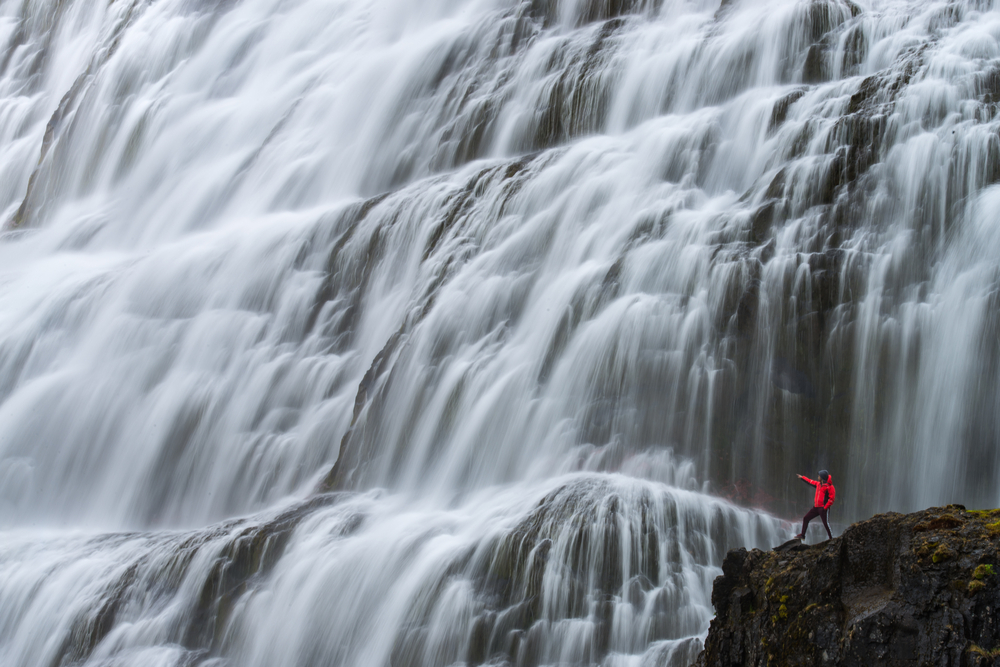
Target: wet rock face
[897, 589]
[239, 553]
[590, 573]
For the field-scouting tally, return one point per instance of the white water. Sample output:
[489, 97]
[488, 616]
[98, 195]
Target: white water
[614, 267]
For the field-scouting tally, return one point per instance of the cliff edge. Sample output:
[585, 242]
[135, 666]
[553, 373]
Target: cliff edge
[897, 589]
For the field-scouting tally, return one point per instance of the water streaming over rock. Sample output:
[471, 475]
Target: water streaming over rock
[381, 332]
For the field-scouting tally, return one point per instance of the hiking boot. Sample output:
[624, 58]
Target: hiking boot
[800, 536]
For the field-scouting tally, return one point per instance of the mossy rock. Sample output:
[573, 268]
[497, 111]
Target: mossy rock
[892, 590]
[975, 649]
[947, 522]
[942, 553]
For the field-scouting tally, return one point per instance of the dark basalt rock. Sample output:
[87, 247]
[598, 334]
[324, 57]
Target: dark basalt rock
[897, 589]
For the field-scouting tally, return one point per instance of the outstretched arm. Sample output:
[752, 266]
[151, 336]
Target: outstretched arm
[808, 481]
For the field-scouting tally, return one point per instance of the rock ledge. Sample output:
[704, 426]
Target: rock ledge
[897, 589]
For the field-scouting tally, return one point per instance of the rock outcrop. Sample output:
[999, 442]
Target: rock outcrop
[897, 589]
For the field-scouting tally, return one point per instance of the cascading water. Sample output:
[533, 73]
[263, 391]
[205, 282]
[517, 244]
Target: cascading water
[380, 332]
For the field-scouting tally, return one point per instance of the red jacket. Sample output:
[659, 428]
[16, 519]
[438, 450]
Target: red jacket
[825, 493]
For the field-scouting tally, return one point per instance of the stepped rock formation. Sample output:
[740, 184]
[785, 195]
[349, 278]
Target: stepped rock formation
[897, 589]
[383, 333]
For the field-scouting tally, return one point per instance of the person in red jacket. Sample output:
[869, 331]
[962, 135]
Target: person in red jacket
[825, 493]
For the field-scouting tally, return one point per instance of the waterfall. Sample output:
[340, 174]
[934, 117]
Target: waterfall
[382, 332]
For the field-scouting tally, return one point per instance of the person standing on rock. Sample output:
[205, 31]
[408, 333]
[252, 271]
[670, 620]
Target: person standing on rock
[825, 493]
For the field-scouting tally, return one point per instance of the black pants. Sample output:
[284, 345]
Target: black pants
[812, 514]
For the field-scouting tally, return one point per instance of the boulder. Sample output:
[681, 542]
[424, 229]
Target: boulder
[897, 589]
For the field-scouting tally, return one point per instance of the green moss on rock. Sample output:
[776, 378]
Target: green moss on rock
[983, 571]
[942, 553]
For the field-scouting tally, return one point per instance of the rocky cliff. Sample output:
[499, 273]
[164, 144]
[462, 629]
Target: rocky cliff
[897, 589]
